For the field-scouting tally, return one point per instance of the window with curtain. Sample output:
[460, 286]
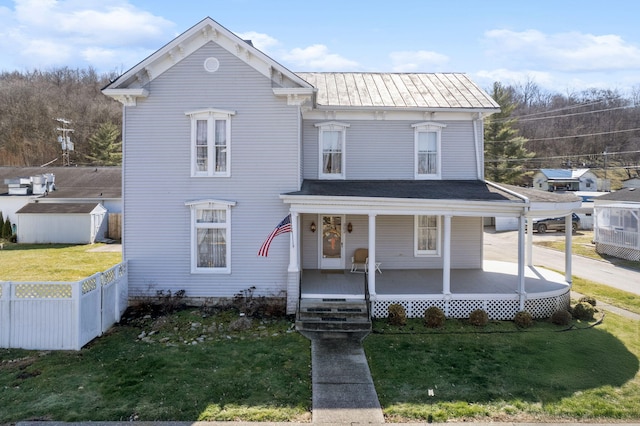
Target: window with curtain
[427, 150]
[427, 235]
[211, 227]
[331, 142]
[210, 135]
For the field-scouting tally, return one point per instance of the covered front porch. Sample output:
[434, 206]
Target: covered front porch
[493, 288]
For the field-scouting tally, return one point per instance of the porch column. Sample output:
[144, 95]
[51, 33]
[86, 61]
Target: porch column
[529, 241]
[293, 249]
[521, 286]
[446, 256]
[568, 235]
[372, 255]
[293, 272]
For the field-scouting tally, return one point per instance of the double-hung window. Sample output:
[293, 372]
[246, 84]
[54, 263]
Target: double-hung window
[427, 235]
[210, 236]
[331, 142]
[427, 150]
[210, 142]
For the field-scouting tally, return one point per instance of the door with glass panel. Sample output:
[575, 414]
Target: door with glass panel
[331, 242]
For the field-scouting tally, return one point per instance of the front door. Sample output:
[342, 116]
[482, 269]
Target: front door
[331, 244]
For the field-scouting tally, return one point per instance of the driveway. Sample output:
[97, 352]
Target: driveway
[504, 246]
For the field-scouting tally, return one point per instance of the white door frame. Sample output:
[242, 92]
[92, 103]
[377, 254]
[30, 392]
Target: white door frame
[330, 262]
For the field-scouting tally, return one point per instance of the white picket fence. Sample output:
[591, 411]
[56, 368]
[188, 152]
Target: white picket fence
[61, 315]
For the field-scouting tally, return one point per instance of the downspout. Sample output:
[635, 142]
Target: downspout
[476, 141]
[523, 215]
[123, 180]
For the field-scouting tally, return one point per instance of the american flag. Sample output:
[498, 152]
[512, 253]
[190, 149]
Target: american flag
[283, 227]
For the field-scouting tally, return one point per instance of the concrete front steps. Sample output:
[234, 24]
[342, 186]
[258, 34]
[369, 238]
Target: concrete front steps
[333, 317]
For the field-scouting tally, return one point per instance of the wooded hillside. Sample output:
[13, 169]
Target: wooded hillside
[31, 102]
[596, 129]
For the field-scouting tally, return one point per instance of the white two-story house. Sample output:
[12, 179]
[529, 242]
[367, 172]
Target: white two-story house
[221, 143]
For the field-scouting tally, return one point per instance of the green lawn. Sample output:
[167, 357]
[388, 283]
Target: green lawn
[196, 364]
[582, 244]
[54, 262]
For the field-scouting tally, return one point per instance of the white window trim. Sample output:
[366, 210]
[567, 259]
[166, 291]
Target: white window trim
[211, 115]
[332, 126]
[428, 126]
[214, 205]
[427, 253]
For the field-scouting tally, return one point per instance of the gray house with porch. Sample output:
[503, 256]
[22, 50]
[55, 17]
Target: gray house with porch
[221, 143]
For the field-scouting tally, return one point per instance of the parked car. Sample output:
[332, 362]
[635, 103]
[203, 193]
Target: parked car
[555, 224]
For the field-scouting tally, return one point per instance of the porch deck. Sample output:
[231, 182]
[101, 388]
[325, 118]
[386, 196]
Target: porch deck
[493, 288]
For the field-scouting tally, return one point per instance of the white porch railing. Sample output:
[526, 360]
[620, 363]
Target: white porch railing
[61, 315]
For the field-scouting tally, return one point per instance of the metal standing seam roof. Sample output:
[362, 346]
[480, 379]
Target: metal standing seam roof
[398, 90]
[563, 173]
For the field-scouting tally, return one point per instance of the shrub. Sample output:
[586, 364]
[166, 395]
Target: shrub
[561, 317]
[588, 299]
[583, 311]
[397, 314]
[479, 318]
[434, 317]
[523, 319]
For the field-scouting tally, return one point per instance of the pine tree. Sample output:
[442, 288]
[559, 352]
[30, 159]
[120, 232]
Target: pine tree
[104, 147]
[504, 150]
[7, 232]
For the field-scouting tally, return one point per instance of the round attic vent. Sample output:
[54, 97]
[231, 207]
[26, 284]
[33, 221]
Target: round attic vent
[211, 64]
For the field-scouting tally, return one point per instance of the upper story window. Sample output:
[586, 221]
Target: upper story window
[210, 236]
[331, 142]
[427, 150]
[210, 142]
[427, 235]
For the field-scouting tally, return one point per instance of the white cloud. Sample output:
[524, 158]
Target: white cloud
[317, 58]
[261, 41]
[566, 52]
[77, 33]
[421, 60]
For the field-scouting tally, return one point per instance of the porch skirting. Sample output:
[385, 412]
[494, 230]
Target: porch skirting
[498, 307]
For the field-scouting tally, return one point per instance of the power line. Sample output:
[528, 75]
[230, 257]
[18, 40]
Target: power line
[572, 136]
[572, 115]
[561, 156]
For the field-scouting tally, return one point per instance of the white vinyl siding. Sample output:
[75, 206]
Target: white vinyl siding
[157, 166]
[210, 141]
[332, 145]
[427, 235]
[427, 150]
[385, 149]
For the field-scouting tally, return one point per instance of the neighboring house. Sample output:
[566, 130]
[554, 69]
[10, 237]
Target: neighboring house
[20, 186]
[617, 224]
[63, 223]
[565, 180]
[220, 143]
[631, 183]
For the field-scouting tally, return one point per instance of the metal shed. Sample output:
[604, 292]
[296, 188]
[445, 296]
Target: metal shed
[68, 223]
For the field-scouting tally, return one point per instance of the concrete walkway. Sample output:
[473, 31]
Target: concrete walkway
[342, 387]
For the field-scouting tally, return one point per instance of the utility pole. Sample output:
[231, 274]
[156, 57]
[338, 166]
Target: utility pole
[65, 140]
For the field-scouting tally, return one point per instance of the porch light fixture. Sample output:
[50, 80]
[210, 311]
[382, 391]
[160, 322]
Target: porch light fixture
[313, 227]
[349, 227]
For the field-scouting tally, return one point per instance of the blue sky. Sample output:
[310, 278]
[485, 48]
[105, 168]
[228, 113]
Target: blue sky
[561, 45]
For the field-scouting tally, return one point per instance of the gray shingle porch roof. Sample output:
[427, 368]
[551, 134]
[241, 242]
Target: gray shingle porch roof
[417, 189]
[469, 190]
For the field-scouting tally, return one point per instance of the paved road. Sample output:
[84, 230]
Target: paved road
[503, 246]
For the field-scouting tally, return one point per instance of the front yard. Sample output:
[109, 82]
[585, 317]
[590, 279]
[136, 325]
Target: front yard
[55, 262]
